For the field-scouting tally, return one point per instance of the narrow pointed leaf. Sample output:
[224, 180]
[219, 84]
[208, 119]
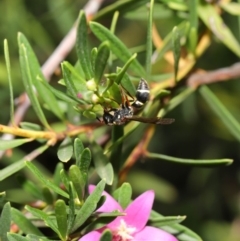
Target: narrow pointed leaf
[82, 47]
[65, 150]
[117, 47]
[69, 81]
[193, 162]
[149, 39]
[78, 149]
[60, 95]
[5, 221]
[123, 70]
[209, 15]
[221, 111]
[48, 196]
[128, 85]
[28, 83]
[46, 96]
[45, 181]
[231, 7]
[24, 224]
[56, 175]
[8, 65]
[61, 216]
[71, 213]
[101, 61]
[116, 154]
[30, 126]
[182, 233]
[89, 206]
[94, 53]
[9, 144]
[50, 221]
[164, 221]
[176, 49]
[76, 178]
[84, 164]
[18, 165]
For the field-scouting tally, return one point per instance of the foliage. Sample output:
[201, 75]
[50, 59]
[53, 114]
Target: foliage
[103, 78]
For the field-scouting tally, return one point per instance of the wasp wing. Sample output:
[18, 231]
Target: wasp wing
[154, 120]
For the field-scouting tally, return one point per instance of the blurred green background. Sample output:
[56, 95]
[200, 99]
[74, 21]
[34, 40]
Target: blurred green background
[210, 197]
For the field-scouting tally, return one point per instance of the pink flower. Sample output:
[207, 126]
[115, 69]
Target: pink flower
[132, 226]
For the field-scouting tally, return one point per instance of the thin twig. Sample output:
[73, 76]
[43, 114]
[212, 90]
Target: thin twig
[223, 74]
[52, 63]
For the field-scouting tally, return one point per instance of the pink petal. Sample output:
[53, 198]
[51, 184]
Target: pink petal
[110, 203]
[93, 235]
[137, 212]
[153, 234]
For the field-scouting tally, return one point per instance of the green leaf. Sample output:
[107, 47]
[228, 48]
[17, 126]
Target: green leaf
[121, 6]
[101, 61]
[5, 221]
[183, 28]
[45, 181]
[46, 96]
[71, 213]
[78, 149]
[231, 7]
[103, 167]
[24, 223]
[31, 188]
[123, 195]
[166, 221]
[89, 206]
[193, 38]
[28, 81]
[82, 47]
[116, 154]
[69, 81]
[65, 150]
[49, 220]
[128, 85]
[214, 22]
[193, 162]
[64, 178]
[176, 49]
[116, 46]
[76, 178]
[106, 235]
[56, 175]
[59, 94]
[181, 232]
[221, 111]
[30, 126]
[94, 53]
[149, 39]
[123, 70]
[18, 165]
[8, 65]
[193, 19]
[61, 216]
[9, 144]
[48, 196]
[84, 164]
[16, 237]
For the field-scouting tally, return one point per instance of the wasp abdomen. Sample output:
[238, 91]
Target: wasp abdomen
[142, 94]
